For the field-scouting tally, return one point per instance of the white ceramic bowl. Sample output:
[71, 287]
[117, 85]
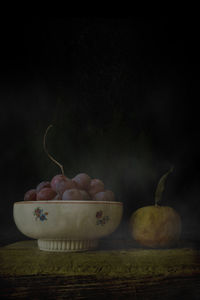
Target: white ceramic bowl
[69, 225]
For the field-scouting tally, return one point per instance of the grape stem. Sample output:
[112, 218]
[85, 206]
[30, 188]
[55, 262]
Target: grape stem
[46, 151]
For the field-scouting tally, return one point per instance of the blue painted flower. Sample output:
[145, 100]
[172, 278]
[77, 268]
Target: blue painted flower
[38, 212]
[100, 219]
[43, 217]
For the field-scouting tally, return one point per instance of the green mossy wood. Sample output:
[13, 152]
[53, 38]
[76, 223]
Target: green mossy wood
[126, 273]
[24, 258]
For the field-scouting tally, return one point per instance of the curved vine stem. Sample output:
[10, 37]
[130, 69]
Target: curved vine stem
[46, 151]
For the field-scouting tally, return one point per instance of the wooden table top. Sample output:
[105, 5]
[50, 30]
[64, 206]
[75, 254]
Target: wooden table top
[116, 270]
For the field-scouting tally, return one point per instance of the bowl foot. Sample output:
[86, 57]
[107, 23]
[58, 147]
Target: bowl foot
[66, 245]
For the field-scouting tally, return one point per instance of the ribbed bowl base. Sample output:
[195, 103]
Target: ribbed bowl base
[67, 245]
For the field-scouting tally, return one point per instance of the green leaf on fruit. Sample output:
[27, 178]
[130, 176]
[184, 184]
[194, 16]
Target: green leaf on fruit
[161, 186]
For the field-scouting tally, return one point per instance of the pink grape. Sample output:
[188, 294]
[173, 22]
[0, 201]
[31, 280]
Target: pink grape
[82, 180]
[46, 194]
[64, 185]
[42, 185]
[30, 195]
[85, 195]
[72, 194]
[60, 183]
[104, 196]
[96, 186]
[56, 179]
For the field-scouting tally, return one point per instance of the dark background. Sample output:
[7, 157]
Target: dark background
[122, 94]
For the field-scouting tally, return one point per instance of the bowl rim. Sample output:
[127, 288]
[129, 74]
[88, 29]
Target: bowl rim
[68, 202]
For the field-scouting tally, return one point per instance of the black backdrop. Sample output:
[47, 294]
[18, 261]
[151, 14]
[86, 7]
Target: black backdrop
[122, 94]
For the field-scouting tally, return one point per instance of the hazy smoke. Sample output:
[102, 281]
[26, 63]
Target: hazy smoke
[119, 109]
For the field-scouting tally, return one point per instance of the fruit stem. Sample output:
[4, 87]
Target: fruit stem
[45, 149]
[161, 186]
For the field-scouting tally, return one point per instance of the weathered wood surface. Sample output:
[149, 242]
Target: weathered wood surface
[110, 272]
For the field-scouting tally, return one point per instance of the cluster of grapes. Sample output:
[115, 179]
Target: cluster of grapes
[81, 187]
